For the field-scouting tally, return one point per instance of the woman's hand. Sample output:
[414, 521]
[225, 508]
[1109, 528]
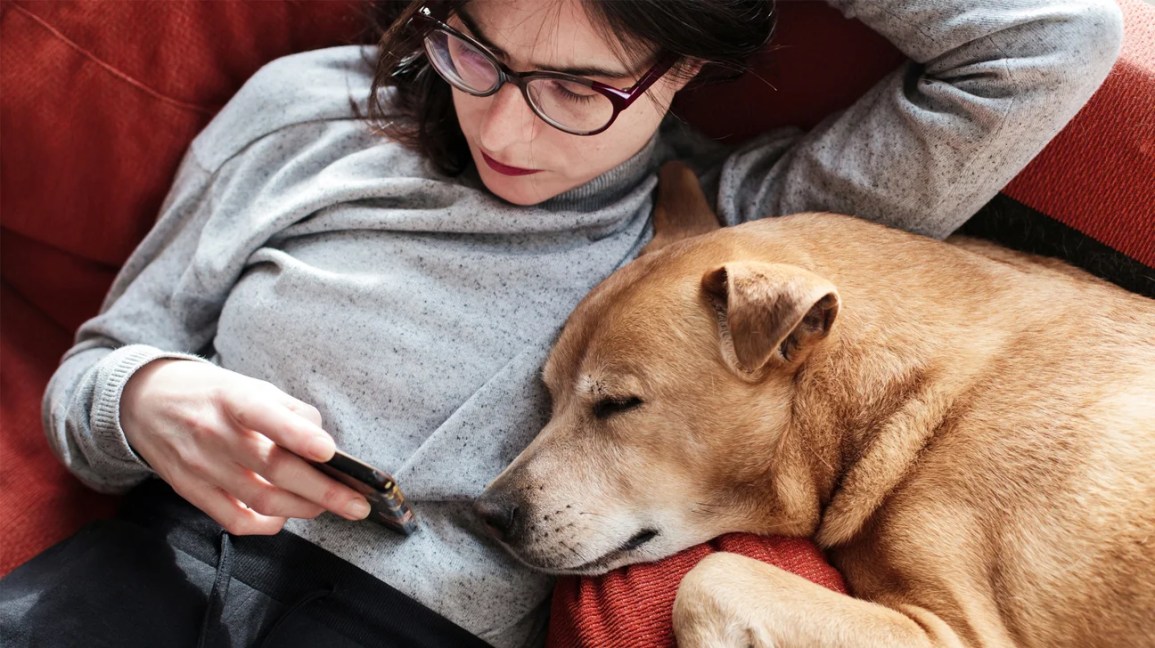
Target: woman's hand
[233, 446]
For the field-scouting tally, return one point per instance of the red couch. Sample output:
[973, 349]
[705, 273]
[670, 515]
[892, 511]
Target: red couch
[101, 99]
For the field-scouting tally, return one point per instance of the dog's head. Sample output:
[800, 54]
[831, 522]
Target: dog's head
[672, 383]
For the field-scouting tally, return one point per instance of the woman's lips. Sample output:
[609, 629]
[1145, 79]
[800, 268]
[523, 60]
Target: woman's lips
[505, 169]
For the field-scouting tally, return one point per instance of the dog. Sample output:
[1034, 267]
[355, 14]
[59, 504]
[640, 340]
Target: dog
[968, 432]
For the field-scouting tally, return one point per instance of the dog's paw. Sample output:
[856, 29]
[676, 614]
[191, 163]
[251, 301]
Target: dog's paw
[716, 607]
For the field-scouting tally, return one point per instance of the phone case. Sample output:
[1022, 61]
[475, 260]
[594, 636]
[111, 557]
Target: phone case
[386, 501]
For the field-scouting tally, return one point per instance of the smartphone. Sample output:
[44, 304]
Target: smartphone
[386, 501]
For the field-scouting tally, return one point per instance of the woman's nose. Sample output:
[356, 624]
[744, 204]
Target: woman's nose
[507, 120]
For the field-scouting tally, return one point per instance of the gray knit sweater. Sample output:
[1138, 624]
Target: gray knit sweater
[414, 310]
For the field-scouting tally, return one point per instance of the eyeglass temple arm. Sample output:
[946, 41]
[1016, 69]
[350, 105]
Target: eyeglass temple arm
[628, 95]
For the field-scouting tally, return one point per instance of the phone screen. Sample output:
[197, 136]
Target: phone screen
[386, 501]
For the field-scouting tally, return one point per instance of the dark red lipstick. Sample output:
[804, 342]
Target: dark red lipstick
[505, 169]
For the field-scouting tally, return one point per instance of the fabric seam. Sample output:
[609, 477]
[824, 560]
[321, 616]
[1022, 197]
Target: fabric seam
[108, 67]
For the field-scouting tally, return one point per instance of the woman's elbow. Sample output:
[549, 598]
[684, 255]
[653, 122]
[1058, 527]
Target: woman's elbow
[1085, 38]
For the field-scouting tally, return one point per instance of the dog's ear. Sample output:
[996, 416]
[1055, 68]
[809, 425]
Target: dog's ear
[769, 313]
[681, 210]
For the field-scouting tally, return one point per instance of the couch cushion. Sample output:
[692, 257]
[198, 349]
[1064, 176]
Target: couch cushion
[40, 502]
[93, 132]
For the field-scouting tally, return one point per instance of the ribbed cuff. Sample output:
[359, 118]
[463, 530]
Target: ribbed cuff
[113, 374]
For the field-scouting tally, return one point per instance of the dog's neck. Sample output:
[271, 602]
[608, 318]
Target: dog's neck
[868, 402]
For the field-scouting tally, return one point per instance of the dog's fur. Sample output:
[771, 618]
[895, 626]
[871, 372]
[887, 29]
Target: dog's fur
[968, 431]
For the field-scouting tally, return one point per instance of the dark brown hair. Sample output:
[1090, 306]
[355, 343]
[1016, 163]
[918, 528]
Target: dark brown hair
[419, 112]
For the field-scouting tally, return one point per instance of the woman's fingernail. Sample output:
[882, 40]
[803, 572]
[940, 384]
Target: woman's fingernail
[357, 509]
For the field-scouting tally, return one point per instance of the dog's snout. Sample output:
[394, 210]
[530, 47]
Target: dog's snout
[501, 516]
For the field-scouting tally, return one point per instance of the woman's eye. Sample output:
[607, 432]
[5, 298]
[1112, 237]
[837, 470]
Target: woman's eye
[573, 92]
[607, 407]
[469, 59]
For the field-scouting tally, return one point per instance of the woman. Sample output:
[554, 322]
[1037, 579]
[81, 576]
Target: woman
[394, 291]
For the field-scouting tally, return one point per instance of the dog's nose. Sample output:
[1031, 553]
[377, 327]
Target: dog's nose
[500, 515]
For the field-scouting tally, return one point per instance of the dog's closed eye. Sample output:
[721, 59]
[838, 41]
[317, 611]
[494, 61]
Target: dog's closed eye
[607, 407]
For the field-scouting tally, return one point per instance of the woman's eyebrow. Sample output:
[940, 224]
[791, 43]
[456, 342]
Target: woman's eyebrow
[586, 71]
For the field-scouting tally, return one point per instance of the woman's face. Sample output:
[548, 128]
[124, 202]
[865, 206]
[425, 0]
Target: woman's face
[503, 132]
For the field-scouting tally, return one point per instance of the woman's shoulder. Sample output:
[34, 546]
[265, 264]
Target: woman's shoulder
[319, 87]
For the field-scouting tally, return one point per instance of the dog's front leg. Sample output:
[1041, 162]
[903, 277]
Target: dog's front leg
[729, 600]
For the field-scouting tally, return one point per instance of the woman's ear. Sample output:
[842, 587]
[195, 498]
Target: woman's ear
[681, 209]
[685, 71]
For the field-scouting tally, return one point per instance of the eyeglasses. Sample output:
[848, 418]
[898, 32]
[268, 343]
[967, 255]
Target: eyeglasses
[568, 103]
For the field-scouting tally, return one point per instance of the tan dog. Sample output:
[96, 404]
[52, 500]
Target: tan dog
[968, 431]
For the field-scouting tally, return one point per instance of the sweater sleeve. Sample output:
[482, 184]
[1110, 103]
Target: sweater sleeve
[988, 84]
[142, 320]
[254, 171]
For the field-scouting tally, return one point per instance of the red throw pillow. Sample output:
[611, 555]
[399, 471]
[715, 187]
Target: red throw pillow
[631, 606]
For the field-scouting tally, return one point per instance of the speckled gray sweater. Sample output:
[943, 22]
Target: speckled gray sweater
[414, 310]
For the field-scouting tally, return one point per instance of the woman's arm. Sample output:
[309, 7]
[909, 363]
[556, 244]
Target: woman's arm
[987, 86]
[143, 319]
[130, 399]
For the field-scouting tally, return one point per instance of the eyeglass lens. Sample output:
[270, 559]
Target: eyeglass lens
[568, 105]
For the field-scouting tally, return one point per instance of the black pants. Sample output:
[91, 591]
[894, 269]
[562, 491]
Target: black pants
[163, 574]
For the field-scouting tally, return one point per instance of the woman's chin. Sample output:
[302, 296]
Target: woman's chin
[524, 191]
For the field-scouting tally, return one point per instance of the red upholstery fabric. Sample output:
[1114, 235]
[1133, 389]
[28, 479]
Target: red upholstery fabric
[817, 63]
[101, 99]
[40, 502]
[630, 607]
